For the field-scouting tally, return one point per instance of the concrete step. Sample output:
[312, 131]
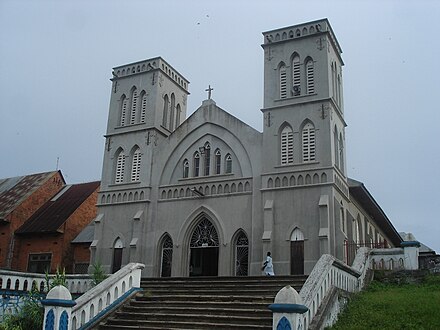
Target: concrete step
[202, 303]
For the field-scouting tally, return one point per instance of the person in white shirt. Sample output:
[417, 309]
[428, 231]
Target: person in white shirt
[268, 266]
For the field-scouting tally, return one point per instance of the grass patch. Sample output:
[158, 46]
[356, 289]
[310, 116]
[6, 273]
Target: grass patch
[394, 306]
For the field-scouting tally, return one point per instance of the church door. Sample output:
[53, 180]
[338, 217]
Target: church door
[204, 248]
[297, 253]
[117, 255]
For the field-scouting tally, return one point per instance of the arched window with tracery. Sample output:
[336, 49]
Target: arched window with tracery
[134, 106]
[196, 164]
[308, 142]
[310, 76]
[218, 160]
[185, 168]
[286, 144]
[207, 159]
[241, 254]
[136, 165]
[120, 167]
[124, 105]
[296, 76]
[228, 164]
[283, 81]
[167, 257]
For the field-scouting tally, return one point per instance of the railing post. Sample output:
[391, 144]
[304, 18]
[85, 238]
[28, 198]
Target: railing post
[411, 252]
[57, 309]
[286, 309]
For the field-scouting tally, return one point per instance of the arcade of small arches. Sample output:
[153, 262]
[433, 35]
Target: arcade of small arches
[296, 180]
[146, 66]
[239, 186]
[291, 33]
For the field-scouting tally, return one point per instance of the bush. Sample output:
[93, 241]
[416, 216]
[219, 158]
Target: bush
[98, 274]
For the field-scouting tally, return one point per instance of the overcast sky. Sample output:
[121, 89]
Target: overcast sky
[56, 59]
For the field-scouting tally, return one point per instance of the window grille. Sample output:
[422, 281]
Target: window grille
[136, 166]
[308, 142]
[310, 74]
[120, 168]
[296, 74]
[134, 97]
[123, 110]
[287, 145]
[283, 82]
[39, 263]
[143, 108]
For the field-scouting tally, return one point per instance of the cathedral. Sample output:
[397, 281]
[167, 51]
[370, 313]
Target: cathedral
[208, 195]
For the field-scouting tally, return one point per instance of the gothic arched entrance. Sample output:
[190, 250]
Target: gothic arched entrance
[204, 248]
[297, 252]
[167, 257]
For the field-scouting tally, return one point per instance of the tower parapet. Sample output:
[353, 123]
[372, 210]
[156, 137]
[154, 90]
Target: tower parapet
[156, 63]
[301, 31]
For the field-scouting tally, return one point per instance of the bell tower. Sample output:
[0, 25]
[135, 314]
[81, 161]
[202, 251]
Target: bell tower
[303, 104]
[148, 102]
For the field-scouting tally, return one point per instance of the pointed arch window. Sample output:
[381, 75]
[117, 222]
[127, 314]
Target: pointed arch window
[134, 106]
[310, 76]
[241, 255]
[166, 106]
[124, 105]
[283, 81]
[120, 167]
[207, 158]
[287, 145]
[143, 106]
[336, 145]
[196, 164]
[218, 160]
[167, 257]
[308, 142]
[296, 76]
[228, 164]
[178, 114]
[172, 109]
[185, 168]
[341, 152]
[136, 165]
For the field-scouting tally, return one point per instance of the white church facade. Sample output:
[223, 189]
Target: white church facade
[209, 195]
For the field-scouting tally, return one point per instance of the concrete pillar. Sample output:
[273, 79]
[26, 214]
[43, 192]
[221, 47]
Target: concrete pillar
[286, 310]
[58, 309]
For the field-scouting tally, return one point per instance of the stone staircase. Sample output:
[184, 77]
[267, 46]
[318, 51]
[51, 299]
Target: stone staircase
[202, 303]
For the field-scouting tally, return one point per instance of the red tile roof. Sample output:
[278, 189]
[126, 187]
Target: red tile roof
[50, 217]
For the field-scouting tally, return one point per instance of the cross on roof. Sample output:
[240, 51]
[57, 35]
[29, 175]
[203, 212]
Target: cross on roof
[209, 90]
